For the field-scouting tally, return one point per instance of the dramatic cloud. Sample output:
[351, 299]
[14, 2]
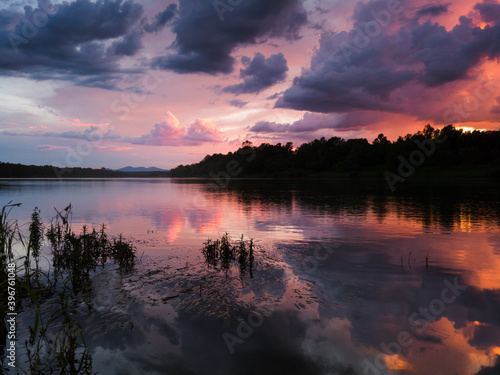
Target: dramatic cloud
[170, 132]
[161, 19]
[208, 31]
[70, 39]
[312, 122]
[359, 69]
[496, 109]
[237, 103]
[6, 17]
[269, 127]
[490, 12]
[433, 10]
[129, 45]
[259, 74]
[387, 57]
[491, 370]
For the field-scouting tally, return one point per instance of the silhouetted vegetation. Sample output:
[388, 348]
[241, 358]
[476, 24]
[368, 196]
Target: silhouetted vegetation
[56, 344]
[9, 170]
[223, 252]
[80, 254]
[123, 253]
[474, 153]
[64, 352]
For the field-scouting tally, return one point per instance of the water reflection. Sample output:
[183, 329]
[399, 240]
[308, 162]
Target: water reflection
[349, 313]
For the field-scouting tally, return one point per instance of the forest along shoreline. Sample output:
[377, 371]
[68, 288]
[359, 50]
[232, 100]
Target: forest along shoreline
[444, 153]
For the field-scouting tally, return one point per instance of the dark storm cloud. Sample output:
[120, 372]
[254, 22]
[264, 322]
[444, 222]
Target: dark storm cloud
[69, 39]
[161, 19]
[204, 42]
[485, 336]
[353, 71]
[274, 96]
[269, 127]
[496, 109]
[129, 45]
[490, 12]
[433, 10]
[259, 74]
[312, 122]
[494, 370]
[237, 103]
[6, 17]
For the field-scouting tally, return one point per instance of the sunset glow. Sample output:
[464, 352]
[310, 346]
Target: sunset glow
[175, 107]
[247, 187]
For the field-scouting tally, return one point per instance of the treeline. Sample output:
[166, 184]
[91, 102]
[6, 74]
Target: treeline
[448, 149]
[9, 170]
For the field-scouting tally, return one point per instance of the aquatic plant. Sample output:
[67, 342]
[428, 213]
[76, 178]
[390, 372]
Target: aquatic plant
[9, 229]
[61, 352]
[224, 252]
[56, 345]
[123, 253]
[80, 254]
[9, 232]
[35, 242]
[211, 252]
[57, 235]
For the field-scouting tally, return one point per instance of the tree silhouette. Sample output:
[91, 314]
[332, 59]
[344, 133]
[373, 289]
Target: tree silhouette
[477, 152]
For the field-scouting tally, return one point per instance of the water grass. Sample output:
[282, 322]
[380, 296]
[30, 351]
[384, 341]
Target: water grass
[36, 230]
[80, 254]
[123, 253]
[9, 229]
[59, 352]
[224, 253]
[52, 350]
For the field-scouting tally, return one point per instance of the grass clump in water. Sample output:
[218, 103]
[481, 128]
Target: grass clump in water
[80, 254]
[222, 251]
[123, 253]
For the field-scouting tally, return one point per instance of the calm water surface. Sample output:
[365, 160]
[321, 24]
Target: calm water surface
[348, 278]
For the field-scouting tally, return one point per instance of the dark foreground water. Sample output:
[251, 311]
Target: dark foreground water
[348, 278]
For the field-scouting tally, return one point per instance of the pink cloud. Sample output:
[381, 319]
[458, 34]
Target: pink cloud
[113, 148]
[203, 131]
[170, 132]
[50, 148]
[78, 122]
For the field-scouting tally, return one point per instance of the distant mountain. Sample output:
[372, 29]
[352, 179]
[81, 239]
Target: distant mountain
[141, 169]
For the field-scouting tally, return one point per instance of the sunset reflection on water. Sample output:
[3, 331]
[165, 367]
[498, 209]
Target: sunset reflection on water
[345, 312]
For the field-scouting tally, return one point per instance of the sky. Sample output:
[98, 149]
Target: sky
[111, 83]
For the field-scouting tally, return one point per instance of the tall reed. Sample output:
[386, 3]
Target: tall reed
[9, 230]
[52, 350]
